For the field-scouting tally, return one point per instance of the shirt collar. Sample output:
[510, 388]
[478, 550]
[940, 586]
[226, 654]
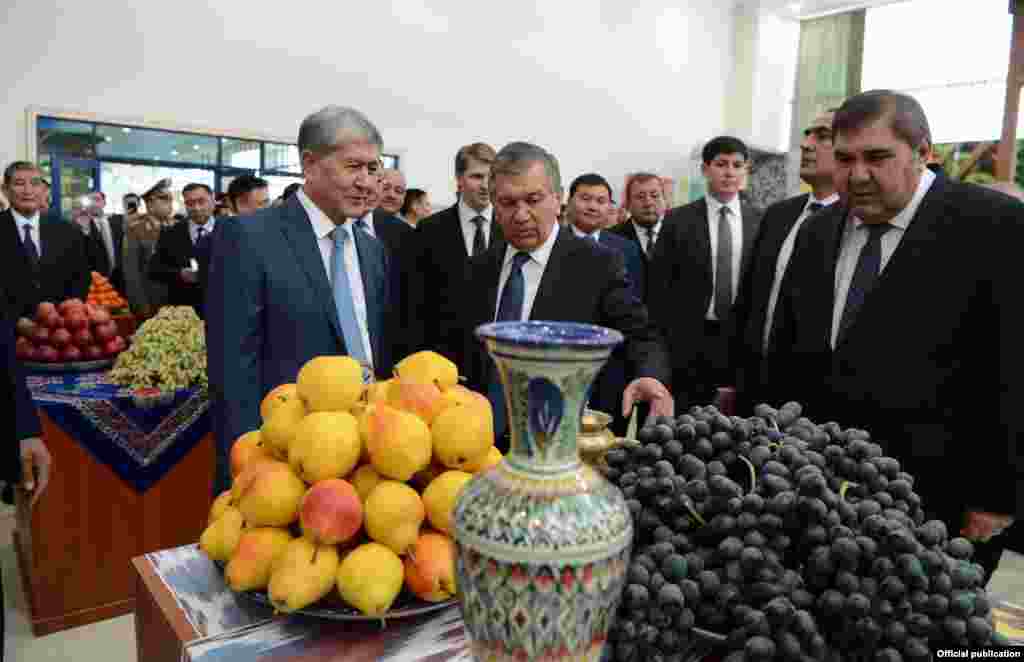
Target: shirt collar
[825, 202]
[714, 205]
[596, 234]
[902, 220]
[322, 225]
[466, 214]
[641, 230]
[540, 254]
[207, 226]
[25, 220]
[367, 219]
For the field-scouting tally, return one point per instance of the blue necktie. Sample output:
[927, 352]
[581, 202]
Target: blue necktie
[509, 309]
[30, 247]
[868, 265]
[343, 298]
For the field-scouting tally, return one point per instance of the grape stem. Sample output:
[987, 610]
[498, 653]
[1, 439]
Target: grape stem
[753, 474]
[695, 514]
[845, 485]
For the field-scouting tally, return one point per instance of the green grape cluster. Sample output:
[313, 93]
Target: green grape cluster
[168, 352]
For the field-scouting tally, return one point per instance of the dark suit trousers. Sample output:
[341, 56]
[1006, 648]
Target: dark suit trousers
[707, 369]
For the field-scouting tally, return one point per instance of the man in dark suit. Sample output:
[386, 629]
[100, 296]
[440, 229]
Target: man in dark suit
[298, 281]
[645, 202]
[247, 194]
[48, 255]
[109, 230]
[547, 273]
[754, 312]
[392, 190]
[179, 249]
[587, 211]
[442, 246]
[696, 269]
[901, 315]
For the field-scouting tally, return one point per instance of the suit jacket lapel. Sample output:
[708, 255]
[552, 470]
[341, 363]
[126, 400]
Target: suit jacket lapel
[371, 267]
[297, 231]
[702, 245]
[545, 304]
[750, 224]
[7, 219]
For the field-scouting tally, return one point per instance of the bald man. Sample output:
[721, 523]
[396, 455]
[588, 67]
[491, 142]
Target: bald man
[392, 191]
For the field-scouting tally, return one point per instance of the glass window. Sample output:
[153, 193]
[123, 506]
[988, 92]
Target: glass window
[122, 178]
[240, 153]
[389, 161]
[280, 157]
[65, 137]
[124, 142]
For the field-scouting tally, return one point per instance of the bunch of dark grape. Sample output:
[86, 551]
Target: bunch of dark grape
[789, 540]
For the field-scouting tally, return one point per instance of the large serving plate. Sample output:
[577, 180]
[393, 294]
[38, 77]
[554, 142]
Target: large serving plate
[73, 366]
[406, 605]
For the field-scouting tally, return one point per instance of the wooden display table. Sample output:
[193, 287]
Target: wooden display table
[74, 549]
[185, 613]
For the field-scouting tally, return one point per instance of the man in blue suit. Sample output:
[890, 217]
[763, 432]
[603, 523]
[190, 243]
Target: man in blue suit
[297, 281]
[590, 199]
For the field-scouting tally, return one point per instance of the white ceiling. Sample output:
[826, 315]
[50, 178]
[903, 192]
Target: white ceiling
[813, 8]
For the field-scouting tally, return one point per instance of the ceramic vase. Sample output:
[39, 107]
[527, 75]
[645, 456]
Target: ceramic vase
[543, 539]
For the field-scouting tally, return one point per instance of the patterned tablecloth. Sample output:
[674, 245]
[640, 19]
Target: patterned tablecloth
[236, 629]
[140, 445]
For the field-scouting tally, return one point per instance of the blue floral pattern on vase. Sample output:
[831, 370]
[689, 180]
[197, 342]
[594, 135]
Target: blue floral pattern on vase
[546, 408]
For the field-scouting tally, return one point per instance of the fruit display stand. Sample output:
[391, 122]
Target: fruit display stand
[125, 482]
[185, 611]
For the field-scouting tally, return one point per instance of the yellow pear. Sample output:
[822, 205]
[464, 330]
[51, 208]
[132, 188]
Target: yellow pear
[364, 479]
[249, 568]
[489, 459]
[278, 430]
[428, 368]
[275, 397]
[220, 504]
[399, 442]
[440, 496]
[330, 383]
[270, 495]
[458, 394]
[304, 573]
[370, 578]
[393, 514]
[364, 432]
[377, 391]
[424, 400]
[463, 433]
[220, 539]
[430, 568]
[325, 445]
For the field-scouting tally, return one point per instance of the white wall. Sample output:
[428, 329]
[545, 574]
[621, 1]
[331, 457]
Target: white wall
[605, 86]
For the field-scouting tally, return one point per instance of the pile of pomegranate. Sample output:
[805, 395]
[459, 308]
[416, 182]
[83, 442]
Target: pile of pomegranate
[69, 332]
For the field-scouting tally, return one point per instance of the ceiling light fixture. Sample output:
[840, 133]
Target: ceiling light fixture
[196, 147]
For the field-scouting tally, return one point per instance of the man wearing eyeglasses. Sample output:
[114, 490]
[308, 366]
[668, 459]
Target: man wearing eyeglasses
[298, 281]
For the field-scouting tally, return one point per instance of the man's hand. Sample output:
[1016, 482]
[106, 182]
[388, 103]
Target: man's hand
[982, 526]
[189, 276]
[35, 459]
[650, 390]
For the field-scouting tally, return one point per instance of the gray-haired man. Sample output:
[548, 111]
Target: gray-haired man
[298, 281]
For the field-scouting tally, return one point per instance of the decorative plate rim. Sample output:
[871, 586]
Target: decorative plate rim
[539, 333]
[72, 366]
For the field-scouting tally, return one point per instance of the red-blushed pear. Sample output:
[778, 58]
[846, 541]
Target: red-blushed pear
[70, 354]
[93, 353]
[246, 449]
[331, 512]
[47, 354]
[271, 495]
[258, 548]
[430, 568]
[105, 331]
[41, 336]
[44, 310]
[24, 350]
[422, 399]
[60, 337]
[82, 337]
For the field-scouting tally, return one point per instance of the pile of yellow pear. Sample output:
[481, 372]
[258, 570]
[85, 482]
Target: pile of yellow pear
[352, 487]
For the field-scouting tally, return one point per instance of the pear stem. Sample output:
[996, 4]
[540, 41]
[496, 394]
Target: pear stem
[753, 473]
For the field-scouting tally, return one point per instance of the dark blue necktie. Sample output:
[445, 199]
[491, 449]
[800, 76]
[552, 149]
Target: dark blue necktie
[868, 265]
[30, 247]
[814, 207]
[509, 309]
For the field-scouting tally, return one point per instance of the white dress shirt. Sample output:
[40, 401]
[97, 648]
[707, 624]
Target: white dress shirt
[782, 262]
[854, 238]
[641, 232]
[533, 271]
[466, 216]
[736, 222]
[103, 225]
[193, 229]
[323, 227]
[596, 234]
[33, 222]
